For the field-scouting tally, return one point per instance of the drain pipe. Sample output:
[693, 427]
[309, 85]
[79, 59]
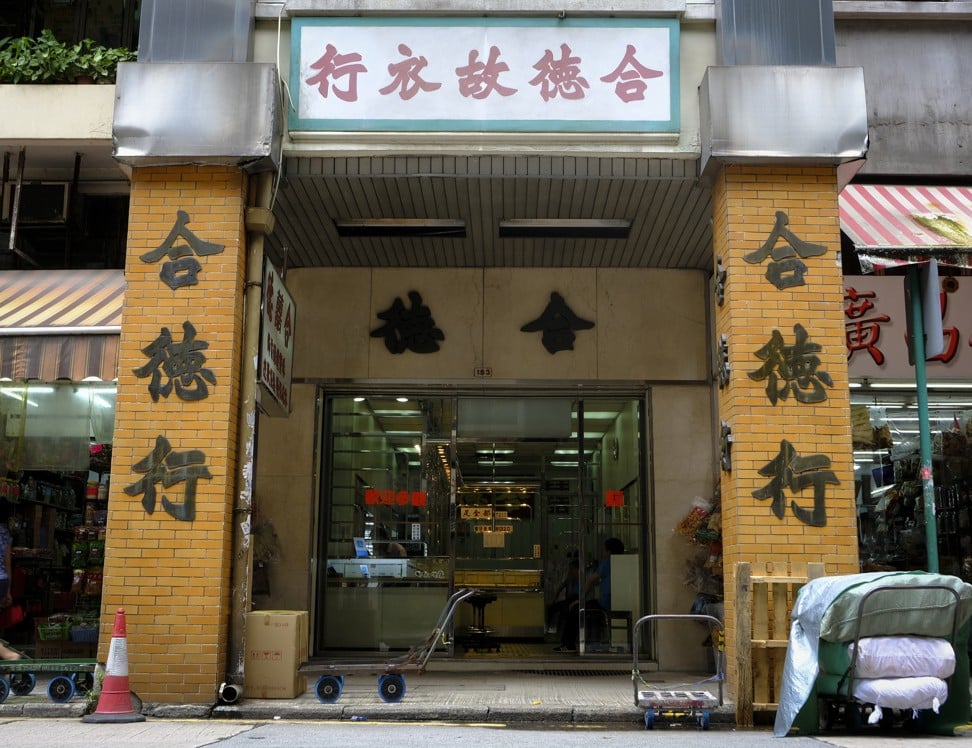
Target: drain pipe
[259, 222]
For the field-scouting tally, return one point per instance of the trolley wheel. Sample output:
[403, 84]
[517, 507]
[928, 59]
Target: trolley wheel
[853, 718]
[60, 689]
[22, 683]
[83, 682]
[4, 689]
[329, 688]
[704, 720]
[391, 688]
[649, 719]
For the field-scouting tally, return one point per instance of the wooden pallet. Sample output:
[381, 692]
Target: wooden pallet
[765, 594]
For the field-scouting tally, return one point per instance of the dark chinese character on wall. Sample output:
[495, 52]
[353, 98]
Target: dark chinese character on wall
[790, 471]
[786, 269]
[409, 328]
[725, 368]
[558, 324]
[167, 467]
[725, 446]
[180, 363]
[792, 368]
[183, 268]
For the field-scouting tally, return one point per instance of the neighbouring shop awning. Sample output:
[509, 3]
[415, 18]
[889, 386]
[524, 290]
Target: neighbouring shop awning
[895, 225]
[60, 324]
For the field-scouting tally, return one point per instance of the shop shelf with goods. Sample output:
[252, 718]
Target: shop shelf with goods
[42, 505]
[891, 517]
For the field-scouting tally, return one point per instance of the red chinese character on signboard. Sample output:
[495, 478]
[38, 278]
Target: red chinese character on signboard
[862, 334]
[420, 498]
[631, 76]
[405, 75]
[333, 66]
[288, 328]
[559, 77]
[278, 308]
[402, 498]
[387, 497]
[371, 496]
[613, 498]
[480, 79]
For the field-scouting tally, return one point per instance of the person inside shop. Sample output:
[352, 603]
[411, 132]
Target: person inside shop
[6, 574]
[599, 578]
[385, 547]
[570, 588]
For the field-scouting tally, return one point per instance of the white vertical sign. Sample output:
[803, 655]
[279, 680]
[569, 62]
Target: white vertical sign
[277, 319]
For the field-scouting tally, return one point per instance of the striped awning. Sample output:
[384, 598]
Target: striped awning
[895, 225]
[60, 324]
[61, 301]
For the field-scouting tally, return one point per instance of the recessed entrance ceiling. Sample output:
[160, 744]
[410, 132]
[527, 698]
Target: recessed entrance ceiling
[668, 209]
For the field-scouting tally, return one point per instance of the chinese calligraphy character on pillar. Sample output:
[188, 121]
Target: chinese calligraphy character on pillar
[789, 470]
[165, 466]
[183, 268]
[181, 363]
[792, 368]
[786, 269]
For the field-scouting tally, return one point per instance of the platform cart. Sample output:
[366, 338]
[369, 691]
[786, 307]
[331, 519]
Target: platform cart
[890, 604]
[690, 702]
[391, 673]
[70, 677]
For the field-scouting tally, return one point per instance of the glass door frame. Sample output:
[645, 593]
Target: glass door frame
[587, 502]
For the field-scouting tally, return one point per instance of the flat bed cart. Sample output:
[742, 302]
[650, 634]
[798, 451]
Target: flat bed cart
[677, 704]
[70, 677]
[391, 673]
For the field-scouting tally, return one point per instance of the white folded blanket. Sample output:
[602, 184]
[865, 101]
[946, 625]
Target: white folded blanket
[903, 657]
[901, 693]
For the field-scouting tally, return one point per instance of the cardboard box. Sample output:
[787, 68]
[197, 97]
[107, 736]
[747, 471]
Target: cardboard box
[276, 645]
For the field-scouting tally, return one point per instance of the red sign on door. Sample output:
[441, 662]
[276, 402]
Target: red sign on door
[613, 498]
[391, 498]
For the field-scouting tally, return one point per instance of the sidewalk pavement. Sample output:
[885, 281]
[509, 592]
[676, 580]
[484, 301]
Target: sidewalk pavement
[524, 695]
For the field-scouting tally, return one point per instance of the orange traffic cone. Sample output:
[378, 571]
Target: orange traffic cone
[115, 700]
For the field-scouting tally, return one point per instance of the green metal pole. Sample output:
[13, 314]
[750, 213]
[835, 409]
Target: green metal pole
[924, 427]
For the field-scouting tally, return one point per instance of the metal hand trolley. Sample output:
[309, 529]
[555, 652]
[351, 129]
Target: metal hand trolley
[71, 677]
[391, 678]
[677, 704]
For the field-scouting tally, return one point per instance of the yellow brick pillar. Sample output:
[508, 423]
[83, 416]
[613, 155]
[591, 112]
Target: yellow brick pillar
[167, 557]
[789, 493]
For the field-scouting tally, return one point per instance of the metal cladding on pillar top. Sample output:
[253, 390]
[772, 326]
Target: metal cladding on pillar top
[115, 699]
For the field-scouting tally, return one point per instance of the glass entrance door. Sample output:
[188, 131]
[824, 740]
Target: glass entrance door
[507, 495]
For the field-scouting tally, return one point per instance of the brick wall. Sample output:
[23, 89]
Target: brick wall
[745, 203]
[172, 575]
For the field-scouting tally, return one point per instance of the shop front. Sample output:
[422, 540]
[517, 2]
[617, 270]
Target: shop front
[429, 480]
[58, 349]
[893, 227]
[433, 492]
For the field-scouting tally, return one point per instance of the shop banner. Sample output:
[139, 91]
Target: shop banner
[876, 329]
[485, 74]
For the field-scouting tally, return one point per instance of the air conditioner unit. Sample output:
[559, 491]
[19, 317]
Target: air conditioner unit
[40, 202]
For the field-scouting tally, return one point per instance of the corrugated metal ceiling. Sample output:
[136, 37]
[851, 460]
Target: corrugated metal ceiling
[668, 207]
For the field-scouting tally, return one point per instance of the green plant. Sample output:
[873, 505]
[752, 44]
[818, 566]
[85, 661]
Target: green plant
[17, 60]
[101, 62]
[46, 60]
